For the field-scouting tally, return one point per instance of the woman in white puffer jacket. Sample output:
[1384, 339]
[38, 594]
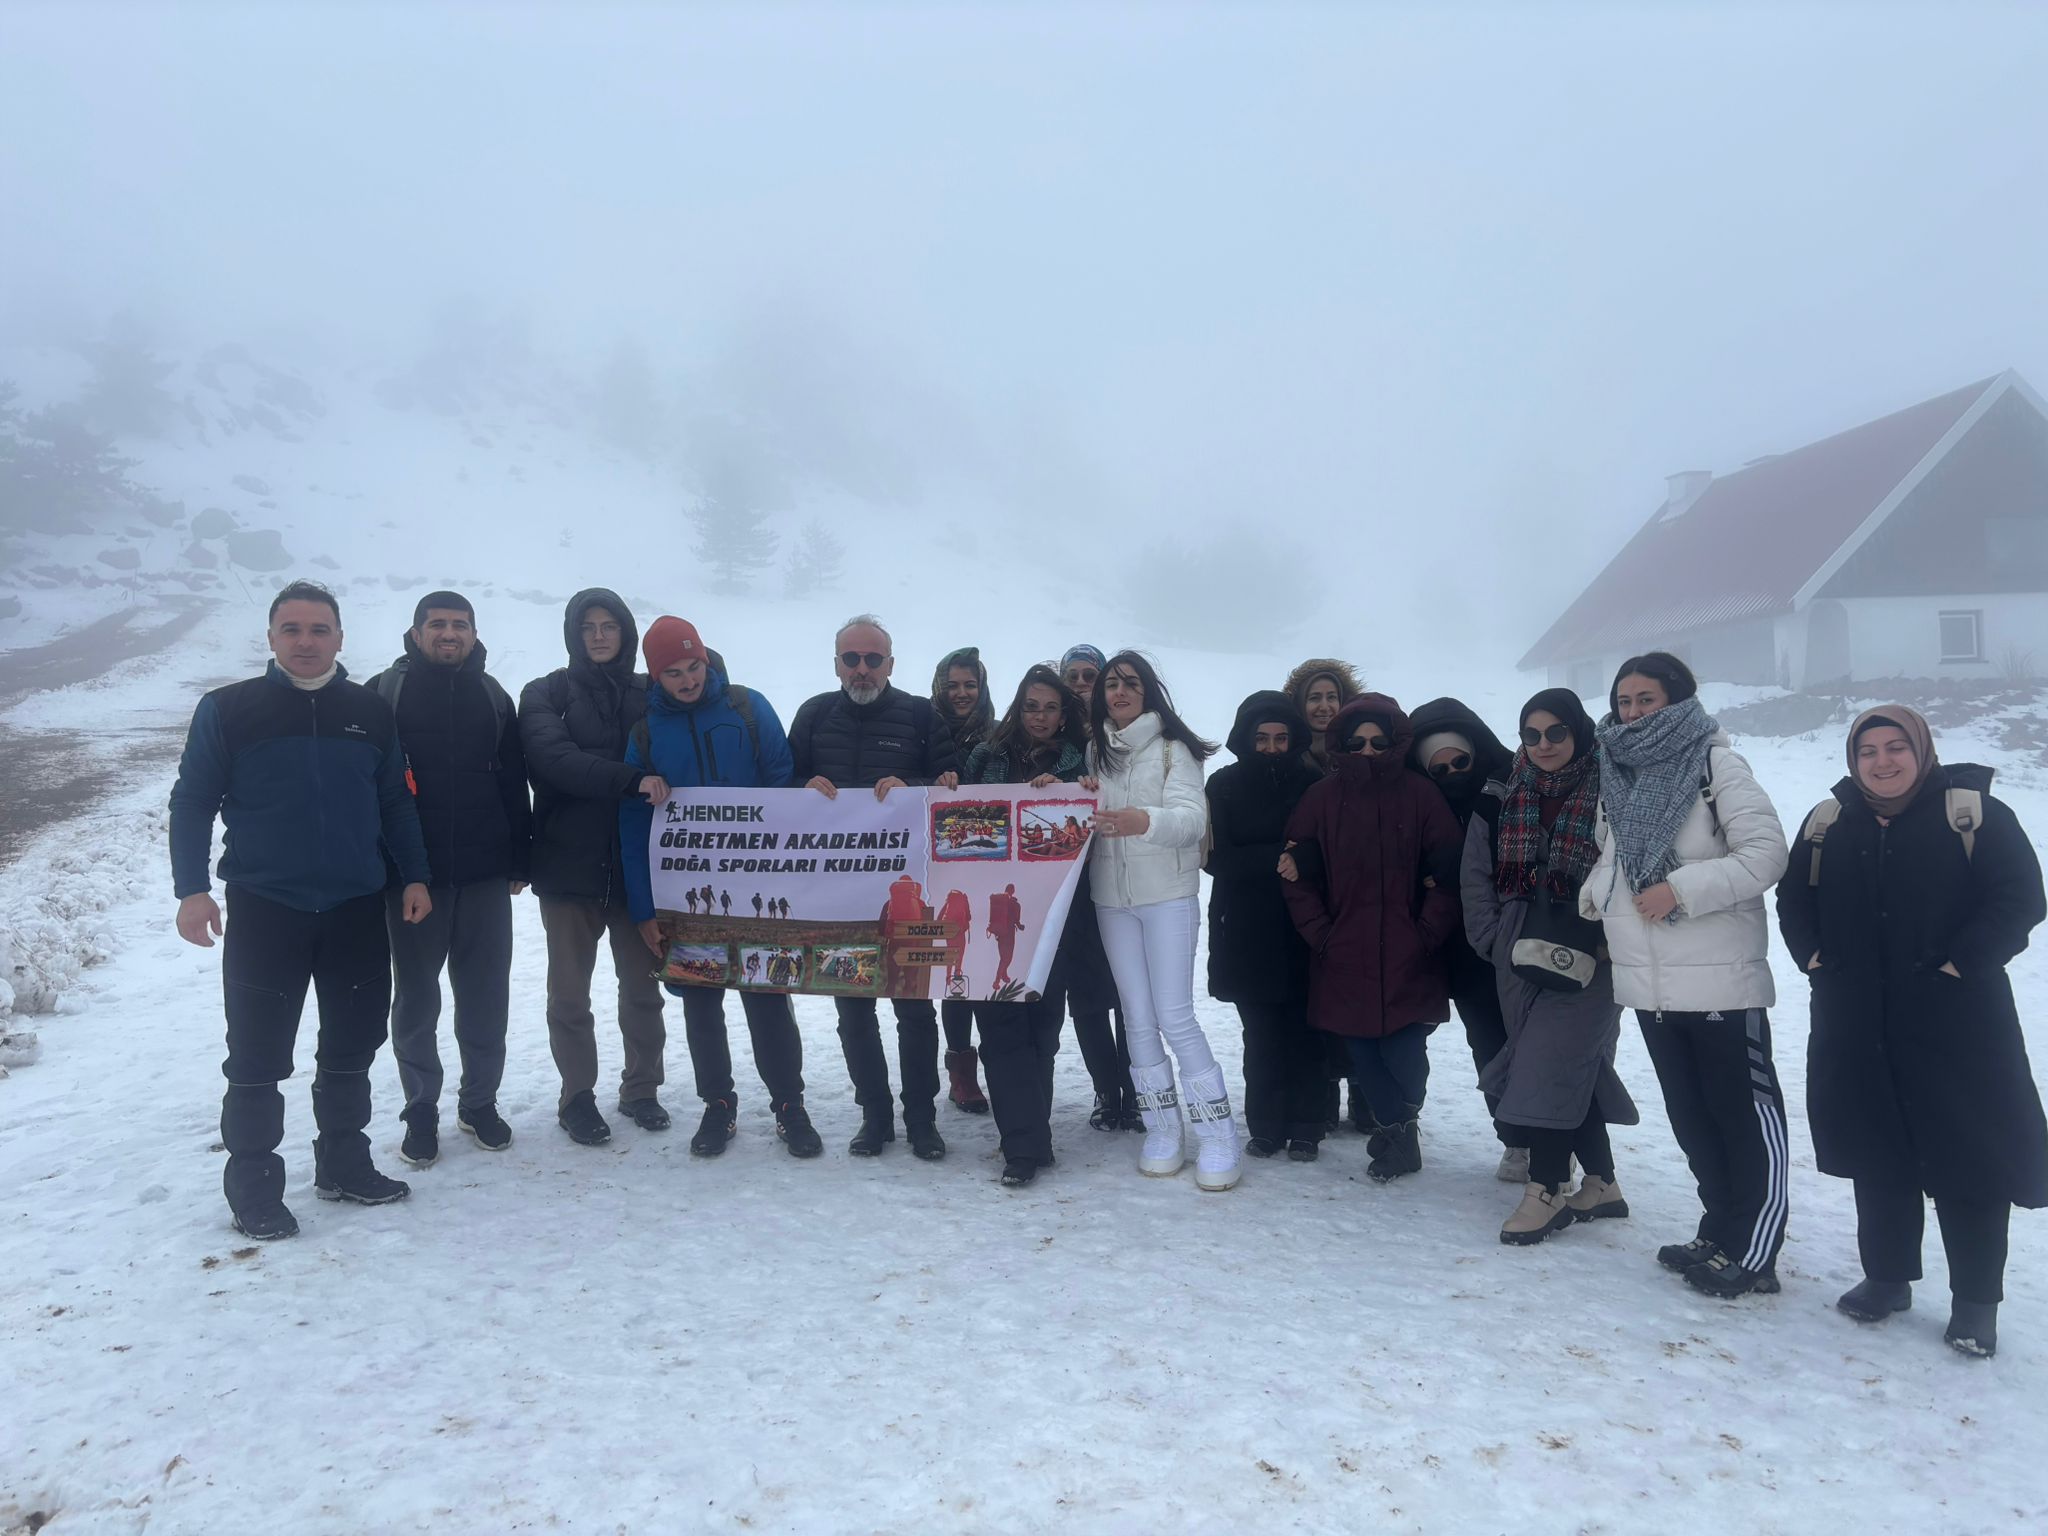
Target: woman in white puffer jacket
[1145, 868]
[1689, 844]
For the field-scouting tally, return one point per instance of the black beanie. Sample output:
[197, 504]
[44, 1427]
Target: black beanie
[442, 600]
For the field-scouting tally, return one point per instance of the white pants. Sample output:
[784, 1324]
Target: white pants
[1152, 955]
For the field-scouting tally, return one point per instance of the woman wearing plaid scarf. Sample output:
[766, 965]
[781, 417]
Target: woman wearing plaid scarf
[1534, 837]
[1689, 843]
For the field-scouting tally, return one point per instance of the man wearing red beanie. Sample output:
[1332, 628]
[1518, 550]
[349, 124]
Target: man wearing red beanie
[701, 730]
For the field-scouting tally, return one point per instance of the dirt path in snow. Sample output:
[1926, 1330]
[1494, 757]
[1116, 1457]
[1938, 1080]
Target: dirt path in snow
[52, 776]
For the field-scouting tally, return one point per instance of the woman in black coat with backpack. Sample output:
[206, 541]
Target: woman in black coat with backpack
[1256, 958]
[1917, 1079]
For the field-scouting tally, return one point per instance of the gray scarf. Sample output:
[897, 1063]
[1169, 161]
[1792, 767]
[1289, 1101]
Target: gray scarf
[1650, 775]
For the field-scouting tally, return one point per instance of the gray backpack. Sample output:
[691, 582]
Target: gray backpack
[1964, 807]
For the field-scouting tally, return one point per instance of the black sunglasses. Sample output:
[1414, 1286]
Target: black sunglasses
[1364, 743]
[1457, 764]
[852, 659]
[1550, 733]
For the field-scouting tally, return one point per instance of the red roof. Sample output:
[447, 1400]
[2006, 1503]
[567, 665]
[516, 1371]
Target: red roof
[1752, 539]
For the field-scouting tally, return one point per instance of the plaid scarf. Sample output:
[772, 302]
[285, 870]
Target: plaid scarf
[1651, 770]
[1522, 853]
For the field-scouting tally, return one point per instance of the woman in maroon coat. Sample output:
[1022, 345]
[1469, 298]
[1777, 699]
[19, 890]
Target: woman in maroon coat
[1377, 901]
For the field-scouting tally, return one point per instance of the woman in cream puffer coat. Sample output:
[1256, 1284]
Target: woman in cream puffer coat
[1145, 868]
[1689, 844]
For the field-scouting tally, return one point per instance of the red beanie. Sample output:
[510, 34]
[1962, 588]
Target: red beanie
[669, 642]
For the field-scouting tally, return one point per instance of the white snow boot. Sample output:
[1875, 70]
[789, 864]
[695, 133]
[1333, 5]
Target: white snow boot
[1159, 1107]
[1217, 1165]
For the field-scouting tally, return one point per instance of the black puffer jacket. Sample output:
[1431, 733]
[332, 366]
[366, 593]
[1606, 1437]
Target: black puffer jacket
[460, 737]
[1914, 1076]
[856, 746]
[1255, 953]
[1473, 983]
[574, 724]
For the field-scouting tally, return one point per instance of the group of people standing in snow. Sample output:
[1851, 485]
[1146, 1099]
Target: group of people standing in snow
[1372, 870]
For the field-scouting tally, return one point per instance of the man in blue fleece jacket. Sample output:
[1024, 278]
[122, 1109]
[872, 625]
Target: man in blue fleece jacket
[304, 768]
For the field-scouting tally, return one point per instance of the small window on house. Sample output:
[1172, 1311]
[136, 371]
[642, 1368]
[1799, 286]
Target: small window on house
[1962, 636]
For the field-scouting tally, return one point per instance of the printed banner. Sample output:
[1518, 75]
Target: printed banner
[944, 894]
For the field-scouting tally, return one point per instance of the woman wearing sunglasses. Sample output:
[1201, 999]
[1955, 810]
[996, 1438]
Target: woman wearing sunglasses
[1320, 687]
[1533, 840]
[1689, 843]
[1462, 756]
[1146, 867]
[1379, 917]
[960, 696]
[1040, 741]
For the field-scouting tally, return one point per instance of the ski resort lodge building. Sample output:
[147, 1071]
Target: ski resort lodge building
[1911, 546]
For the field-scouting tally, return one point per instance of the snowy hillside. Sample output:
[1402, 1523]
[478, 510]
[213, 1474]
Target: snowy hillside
[626, 1338]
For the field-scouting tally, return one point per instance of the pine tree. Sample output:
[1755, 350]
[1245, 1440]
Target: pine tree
[125, 396]
[734, 541]
[55, 472]
[816, 563]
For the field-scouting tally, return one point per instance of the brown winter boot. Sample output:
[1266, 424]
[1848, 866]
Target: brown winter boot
[965, 1091]
[1597, 1197]
[1543, 1211]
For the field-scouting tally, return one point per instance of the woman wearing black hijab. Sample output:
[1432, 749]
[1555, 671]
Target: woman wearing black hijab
[1461, 755]
[1917, 1078]
[1256, 958]
[1532, 843]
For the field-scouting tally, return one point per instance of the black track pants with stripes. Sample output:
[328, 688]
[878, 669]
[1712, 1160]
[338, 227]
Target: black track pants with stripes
[1728, 1113]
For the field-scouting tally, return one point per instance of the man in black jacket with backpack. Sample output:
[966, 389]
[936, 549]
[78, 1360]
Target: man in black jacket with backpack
[866, 734]
[574, 724]
[467, 772]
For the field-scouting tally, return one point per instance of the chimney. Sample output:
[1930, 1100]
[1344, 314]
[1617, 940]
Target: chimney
[1684, 488]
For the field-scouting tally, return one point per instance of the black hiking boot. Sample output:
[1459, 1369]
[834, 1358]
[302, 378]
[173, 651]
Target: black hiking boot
[1684, 1256]
[794, 1129]
[422, 1144]
[580, 1118]
[646, 1113]
[1722, 1276]
[486, 1127]
[1301, 1150]
[265, 1223]
[1872, 1301]
[721, 1120]
[359, 1185]
[875, 1132]
[1262, 1146]
[1019, 1171]
[926, 1144]
[1973, 1329]
[1399, 1154]
[1105, 1115]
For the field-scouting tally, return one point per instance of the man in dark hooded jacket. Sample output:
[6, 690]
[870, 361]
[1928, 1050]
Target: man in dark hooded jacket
[575, 725]
[1461, 755]
[467, 772]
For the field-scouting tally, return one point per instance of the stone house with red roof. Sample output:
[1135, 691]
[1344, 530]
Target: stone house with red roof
[1915, 546]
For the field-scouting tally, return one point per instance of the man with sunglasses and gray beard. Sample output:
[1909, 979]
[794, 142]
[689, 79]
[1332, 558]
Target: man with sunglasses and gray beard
[868, 734]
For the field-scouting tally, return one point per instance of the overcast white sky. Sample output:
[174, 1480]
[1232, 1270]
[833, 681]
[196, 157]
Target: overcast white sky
[1362, 268]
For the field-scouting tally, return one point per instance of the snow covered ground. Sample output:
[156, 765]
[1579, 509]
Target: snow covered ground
[627, 1339]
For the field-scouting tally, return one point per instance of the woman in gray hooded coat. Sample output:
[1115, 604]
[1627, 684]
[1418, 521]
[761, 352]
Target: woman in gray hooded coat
[1534, 835]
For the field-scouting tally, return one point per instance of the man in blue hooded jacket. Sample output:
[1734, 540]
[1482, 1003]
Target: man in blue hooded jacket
[702, 731]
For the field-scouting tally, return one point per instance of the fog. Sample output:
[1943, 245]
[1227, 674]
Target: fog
[1430, 299]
